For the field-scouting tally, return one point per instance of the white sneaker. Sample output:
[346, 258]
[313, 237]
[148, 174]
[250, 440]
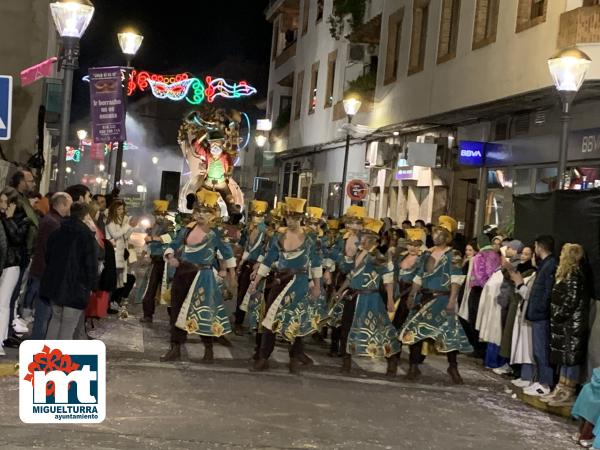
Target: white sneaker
[504, 370]
[536, 390]
[19, 320]
[520, 383]
[20, 328]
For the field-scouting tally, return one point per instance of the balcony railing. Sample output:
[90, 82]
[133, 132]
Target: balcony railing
[579, 26]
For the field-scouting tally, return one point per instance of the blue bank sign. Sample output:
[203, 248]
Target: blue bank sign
[471, 153]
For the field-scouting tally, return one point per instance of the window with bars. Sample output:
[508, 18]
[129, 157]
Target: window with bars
[486, 23]
[394, 37]
[319, 10]
[530, 13]
[312, 94]
[298, 101]
[331, 62]
[418, 43]
[448, 30]
[305, 12]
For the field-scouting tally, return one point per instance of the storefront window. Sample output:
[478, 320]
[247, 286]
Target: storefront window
[522, 184]
[545, 179]
[582, 178]
[499, 207]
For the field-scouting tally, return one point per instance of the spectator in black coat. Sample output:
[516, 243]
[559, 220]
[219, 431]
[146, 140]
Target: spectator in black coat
[538, 313]
[15, 230]
[71, 273]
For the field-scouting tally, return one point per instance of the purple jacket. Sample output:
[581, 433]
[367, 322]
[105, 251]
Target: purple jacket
[485, 263]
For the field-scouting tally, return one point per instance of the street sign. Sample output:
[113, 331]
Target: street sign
[357, 189]
[5, 106]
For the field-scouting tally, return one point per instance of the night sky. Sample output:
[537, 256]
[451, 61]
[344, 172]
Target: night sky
[184, 36]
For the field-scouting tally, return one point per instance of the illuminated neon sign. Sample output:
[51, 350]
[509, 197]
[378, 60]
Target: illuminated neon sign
[73, 154]
[183, 85]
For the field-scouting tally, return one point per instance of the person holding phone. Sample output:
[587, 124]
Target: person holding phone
[16, 230]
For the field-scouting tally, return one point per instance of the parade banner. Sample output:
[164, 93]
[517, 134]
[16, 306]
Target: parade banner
[107, 105]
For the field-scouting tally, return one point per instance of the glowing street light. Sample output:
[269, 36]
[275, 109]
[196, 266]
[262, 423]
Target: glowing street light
[68, 170]
[154, 160]
[101, 167]
[130, 42]
[82, 134]
[261, 140]
[568, 69]
[124, 164]
[351, 106]
[71, 19]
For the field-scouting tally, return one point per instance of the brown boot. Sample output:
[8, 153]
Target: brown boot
[456, 378]
[346, 364]
[238, 329]
[174, 353]
[224, 341]
[413, 373]
[392, 366]
[209, 357]
[294, 366]
[260, 365]
[305, 360]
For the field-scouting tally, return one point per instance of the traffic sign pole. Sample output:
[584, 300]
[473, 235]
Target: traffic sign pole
[6, 83]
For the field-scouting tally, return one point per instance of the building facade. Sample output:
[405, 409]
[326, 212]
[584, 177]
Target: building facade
[28, 37]
[431, 74]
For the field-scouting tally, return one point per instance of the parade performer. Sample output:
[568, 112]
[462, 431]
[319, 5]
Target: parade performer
[435, 294]
[366, 327]
[196, 302]
[406, 267]
[209, 140]
[298, 271]
[343, 254]
[156, 242]
[318, 308]
[253, 243]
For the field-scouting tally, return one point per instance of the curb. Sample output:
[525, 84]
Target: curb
[9, 369]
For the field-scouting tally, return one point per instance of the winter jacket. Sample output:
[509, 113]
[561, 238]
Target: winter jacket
[485, 263]
[16, 239]
[3, 248]
[48, 225]
[71, 265]
[538, 308]
[25, 211]
[569, 321]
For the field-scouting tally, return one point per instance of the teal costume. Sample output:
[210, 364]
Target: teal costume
[288, 314]
[432, 321]
[203, 311]
[318, 309]
[343, 265]
[372, 333]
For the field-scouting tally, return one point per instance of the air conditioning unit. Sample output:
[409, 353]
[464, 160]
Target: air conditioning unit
[379, 154]
[356, 53]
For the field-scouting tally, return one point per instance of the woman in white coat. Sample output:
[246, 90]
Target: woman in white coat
[118, 230]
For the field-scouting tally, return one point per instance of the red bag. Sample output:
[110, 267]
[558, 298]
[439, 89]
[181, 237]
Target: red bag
[98, 305]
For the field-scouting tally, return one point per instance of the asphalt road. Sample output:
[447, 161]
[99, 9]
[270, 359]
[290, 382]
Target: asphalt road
[189, 405]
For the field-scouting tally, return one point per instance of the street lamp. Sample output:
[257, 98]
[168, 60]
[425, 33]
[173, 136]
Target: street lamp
[101, 167]
[71, 18]
[81, 134]
[261, 140]
[154, 160]
[130, 42]
[568, 69]
[351, 106]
